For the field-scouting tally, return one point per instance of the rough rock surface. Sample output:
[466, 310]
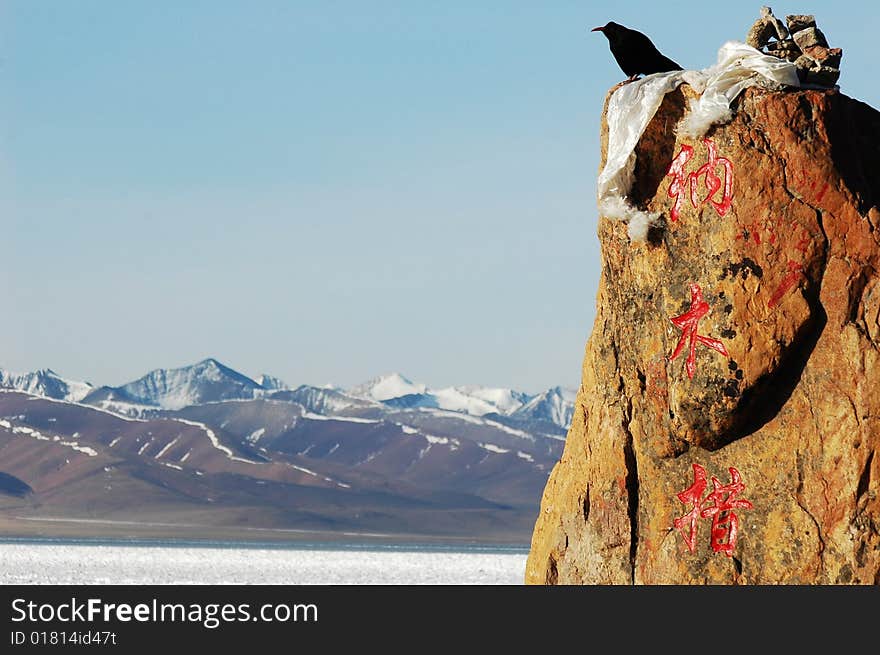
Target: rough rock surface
[767, 27]
[786, 258]
[802, 43]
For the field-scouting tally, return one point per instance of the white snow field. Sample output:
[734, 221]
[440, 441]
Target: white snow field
[66, 564]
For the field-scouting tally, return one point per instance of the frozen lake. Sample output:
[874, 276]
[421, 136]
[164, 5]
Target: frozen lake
[30, 562]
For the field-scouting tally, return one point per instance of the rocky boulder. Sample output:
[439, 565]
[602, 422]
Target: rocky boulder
[727, 427]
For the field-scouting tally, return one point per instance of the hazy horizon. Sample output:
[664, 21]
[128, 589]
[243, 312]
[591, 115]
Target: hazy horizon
[255, 375]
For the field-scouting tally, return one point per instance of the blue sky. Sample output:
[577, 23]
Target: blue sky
[324, 191]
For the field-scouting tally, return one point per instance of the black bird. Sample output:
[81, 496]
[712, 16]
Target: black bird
[634, 52]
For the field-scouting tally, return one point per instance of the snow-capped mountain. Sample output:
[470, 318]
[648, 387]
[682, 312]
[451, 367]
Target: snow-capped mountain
[386, 387]
[325, 401]
[210, 381]
[555, 405]
[45, 382]
[476, 401]
[204, 382]
[390, 455]
[492, 399]
[271, 383]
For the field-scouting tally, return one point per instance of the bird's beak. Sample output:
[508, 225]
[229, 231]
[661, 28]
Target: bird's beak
[597, 29]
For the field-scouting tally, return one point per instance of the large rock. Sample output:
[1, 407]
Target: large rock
[741, 340]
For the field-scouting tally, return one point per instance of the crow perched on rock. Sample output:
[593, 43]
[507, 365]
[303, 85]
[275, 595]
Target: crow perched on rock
[634, 52]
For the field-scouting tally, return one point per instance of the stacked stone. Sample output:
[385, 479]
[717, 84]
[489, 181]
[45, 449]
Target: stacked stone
[800, 42]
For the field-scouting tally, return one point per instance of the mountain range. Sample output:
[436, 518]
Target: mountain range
[205, 445]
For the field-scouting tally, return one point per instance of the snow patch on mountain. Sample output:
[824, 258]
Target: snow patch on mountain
[344, 419]
[254, 436]
[215, 441]
[167, 447]
[36, 434]
[475, 420]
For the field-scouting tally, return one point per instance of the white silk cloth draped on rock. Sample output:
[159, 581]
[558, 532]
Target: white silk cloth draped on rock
[632, 106]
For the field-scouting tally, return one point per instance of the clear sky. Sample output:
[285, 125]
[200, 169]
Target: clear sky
[324, 190]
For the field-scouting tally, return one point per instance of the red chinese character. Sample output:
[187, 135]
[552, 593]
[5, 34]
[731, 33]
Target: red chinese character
[679, 179]
[795, 273]
[692, 496]
[711, 181]
[795, 269]
[725, 523]
[688, 323]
